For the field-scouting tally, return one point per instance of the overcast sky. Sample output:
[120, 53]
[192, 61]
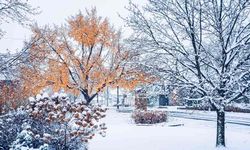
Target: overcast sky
[57, 11]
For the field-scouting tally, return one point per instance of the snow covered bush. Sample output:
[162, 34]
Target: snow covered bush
[149, 117]
[27, 140]
[71, 124]
[19, 131]
[51, 122]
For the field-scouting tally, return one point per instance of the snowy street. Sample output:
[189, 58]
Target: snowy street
[231, 118]
[122, 134]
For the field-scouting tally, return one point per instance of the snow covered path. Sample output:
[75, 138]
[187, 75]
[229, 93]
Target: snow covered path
[122, 134]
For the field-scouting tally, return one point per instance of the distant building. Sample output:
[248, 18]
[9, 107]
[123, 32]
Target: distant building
[163, 100]
[154, 99]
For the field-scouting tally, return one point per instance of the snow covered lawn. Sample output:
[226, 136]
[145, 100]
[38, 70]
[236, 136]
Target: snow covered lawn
[122, 134]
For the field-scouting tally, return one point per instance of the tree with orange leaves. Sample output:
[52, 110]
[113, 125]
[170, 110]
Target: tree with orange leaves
[83, 56]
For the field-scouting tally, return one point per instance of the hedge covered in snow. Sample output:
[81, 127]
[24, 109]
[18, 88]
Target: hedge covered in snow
[149, 117]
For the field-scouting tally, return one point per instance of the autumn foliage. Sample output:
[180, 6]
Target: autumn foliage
[83, 56]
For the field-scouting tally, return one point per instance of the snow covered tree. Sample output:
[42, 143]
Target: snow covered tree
[17, 11]
[202, 44]
[14, 11]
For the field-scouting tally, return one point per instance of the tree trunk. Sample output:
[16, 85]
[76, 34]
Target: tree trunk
[220, 137]
[87, 97]
[87, 100]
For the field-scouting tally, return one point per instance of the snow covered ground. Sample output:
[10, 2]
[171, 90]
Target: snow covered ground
[122, 134]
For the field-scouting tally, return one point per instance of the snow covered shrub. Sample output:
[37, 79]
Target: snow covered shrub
[10, 126]
[51, 122]
[26, 140]
[68, 124]
[149, 117]
[18, 130]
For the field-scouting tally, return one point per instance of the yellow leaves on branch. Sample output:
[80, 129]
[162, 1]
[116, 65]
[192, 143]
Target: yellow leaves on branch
[85, 54]
[91, 29]
[59, 76]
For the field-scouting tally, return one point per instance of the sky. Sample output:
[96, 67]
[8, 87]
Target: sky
[57, 12]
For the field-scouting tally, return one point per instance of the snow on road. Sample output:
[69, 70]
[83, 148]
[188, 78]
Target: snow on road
[122, 134]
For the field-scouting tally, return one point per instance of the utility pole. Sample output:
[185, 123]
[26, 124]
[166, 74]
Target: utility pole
[97, 98]
[107, 96]
[117, 97]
